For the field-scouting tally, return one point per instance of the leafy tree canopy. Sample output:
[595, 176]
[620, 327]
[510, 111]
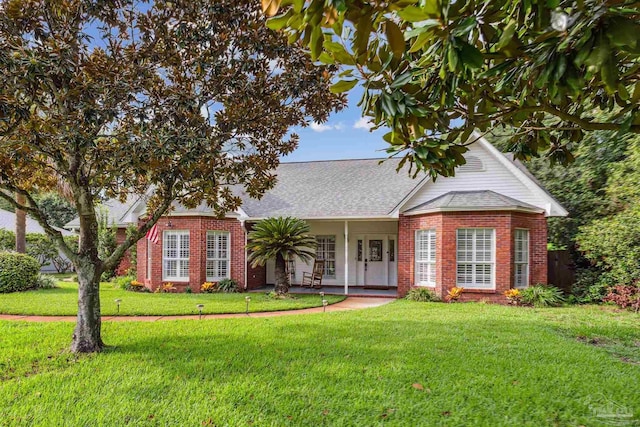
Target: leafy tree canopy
[434, 70]
[173, 101]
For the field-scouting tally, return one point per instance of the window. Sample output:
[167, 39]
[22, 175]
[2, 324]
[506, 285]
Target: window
[218, 255]
[392, 250]
[426, 257]
[521, 258]
[326, 251]
[175, 255]
[475, 258]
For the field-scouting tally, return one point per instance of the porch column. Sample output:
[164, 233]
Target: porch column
[346, 257]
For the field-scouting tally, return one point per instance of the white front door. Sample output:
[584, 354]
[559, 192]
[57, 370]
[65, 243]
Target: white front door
[376, 260]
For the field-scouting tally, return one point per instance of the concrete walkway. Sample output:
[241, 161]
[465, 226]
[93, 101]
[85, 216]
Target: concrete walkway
[350, 303]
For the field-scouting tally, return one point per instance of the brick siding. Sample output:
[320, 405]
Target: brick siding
[446, 224]
[197, 227]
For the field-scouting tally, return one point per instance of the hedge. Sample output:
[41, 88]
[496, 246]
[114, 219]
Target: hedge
[18, 272]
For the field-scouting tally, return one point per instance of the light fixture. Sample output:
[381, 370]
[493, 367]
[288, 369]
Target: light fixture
[247, 299]
[118, 301]
[200, 307]
[169, 224]
[325, 303]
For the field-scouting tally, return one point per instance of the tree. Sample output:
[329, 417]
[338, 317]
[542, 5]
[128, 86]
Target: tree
[282, 239]
[171, 101]
[612, 243]
[433, 71]
[57, 210]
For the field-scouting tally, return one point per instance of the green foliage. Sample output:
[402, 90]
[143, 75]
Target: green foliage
[45, 281]
[227, 286]
[422, 295]
[288, 237]
[122, 282]
[433, 72]
[281, 239]
[542, 296]
[107, 242]
[613, 244]
[56, 209]
[18, 272]
[7, 240]
[40, 247]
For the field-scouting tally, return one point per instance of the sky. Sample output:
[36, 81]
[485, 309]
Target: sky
[345, 135]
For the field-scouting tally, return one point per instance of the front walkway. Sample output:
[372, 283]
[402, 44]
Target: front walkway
[350, 303]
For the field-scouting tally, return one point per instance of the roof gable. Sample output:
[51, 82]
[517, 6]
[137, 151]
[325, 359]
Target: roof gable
[497, 173]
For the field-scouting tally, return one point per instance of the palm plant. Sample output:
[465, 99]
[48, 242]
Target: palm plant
[282, 239]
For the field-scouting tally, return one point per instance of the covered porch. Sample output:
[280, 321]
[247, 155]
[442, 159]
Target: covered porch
[360, 257]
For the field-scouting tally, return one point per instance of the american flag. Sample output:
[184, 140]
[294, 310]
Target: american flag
[152, 234]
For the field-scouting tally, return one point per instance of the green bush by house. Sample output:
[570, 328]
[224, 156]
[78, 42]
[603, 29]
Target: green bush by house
[18, 272]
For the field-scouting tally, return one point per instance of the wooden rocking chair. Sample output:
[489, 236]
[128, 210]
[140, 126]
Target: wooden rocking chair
[313, 279]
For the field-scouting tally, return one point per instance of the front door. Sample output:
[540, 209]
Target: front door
[376, 258]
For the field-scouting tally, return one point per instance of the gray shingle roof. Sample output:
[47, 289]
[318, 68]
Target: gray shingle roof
[8, 222]
[340, 188]
[469, 200]
[116, 212]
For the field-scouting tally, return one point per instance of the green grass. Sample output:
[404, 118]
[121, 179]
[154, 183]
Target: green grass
[64, 301]
[403, 364]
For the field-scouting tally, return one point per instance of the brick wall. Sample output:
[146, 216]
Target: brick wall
[446, 224]
[197, 227]
[125, 262]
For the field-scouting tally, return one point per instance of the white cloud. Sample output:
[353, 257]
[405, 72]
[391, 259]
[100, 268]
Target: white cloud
[363, 123]
[320, 127]
[323, 127]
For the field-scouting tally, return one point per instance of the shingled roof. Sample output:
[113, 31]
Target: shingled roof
[472, 200]
[338, 188]
[8, 222]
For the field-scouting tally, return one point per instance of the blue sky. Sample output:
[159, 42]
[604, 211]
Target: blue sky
[344, 136]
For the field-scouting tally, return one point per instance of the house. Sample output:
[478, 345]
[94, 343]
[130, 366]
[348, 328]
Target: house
[8, 222]
[484, 229]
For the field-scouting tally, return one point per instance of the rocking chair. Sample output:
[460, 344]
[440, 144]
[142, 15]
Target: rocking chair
[313, 279]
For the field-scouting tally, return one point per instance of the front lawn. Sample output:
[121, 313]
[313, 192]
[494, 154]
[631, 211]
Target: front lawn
[64, 301]
[404, 364]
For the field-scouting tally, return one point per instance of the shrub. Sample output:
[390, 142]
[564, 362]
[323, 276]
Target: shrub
[165, 288]
[624, 296]
[123, 282]
[208, 287]
[514, 296]
[591, 286]
[45, 281]
[18, 272]
[135, 286]
[422, 295]
[227, 286]
[454, 294]
[542, 296]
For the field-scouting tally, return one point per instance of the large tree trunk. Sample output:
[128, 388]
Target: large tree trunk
[21, 226]
[87, 334]
[282, 280]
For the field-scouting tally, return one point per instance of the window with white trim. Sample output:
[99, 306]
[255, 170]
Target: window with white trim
[521, 258]
[326, 251]
[426, 257]
[218, 255]
[175, 255]
[475, 258]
